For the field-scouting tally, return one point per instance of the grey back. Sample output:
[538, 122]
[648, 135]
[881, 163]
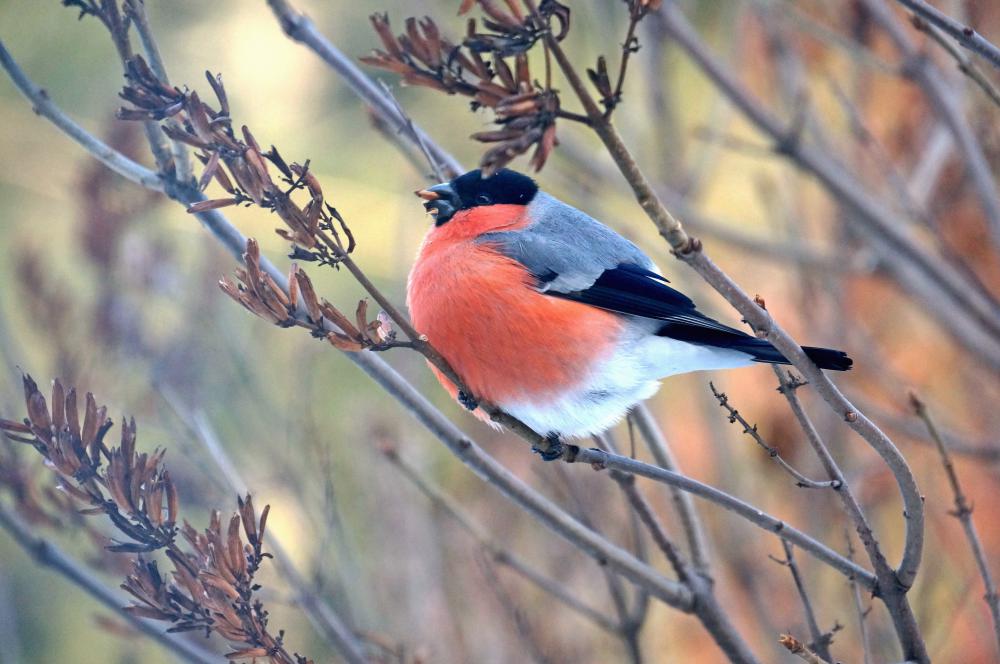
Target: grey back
[566, 249]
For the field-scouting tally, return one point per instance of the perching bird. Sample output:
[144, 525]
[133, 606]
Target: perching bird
[553, 316]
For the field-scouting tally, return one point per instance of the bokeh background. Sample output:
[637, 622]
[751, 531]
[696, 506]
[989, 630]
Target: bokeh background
[114, 291]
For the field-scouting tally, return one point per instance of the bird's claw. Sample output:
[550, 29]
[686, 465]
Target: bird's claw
[467, 400]
[554, 451]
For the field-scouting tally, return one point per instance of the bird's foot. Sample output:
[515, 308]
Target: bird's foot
[554, 451]
[467, 400]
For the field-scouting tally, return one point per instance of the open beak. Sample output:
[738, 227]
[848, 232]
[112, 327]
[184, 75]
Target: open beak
[441, 201]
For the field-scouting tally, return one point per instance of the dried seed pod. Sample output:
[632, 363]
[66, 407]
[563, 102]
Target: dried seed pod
[309, 296]
[205, 206]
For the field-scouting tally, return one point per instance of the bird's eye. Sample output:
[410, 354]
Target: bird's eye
[483, 199]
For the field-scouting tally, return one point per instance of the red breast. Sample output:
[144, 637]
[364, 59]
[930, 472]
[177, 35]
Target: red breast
[481, 310]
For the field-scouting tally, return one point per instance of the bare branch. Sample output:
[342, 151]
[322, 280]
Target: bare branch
[861, 612]
[914, 269]
[966, 65]
[800, 649]
[136, 11]
[323, 617]
[751, 430]
[890, 592]
[689, 250]
[664, 457]
[301, 29]
[963, 512]
[925, 74]
[47, 554]
[498, 553]
[963, 34]
[707, 607]
[601, 460]
[761, 321]
[43, 106]
[820, 641]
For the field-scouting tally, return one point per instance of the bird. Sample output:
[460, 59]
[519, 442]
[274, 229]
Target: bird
[554, 317]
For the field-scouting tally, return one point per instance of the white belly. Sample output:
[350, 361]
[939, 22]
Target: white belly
[617, 384]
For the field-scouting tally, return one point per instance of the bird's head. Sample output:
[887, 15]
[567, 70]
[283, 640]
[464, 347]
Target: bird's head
[468, 195]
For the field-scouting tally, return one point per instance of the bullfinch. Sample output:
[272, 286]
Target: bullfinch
[553, 316]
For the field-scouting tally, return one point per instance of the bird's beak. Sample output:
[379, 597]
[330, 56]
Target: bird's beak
[441, 201]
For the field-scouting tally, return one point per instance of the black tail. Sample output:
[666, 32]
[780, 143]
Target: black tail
[760, 350]
[825, 358]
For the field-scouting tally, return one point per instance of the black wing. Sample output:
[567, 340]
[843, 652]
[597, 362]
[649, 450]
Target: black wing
[634, 290]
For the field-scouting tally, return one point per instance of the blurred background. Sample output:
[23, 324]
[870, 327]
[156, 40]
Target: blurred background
[114, 290]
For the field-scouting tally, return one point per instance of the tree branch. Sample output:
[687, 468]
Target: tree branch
[963, 512]
[892, 586]
[690, 521]
[772, 452]
[706, 606]
[300, 28]
[922, 71]
[861, 612]
[323, 617]
[44, 106]
[136, 11]
[499, 553]
[916, 271]
[820, 641]
[48, 555]
[963, 34]
[601, 460]
[966, 65]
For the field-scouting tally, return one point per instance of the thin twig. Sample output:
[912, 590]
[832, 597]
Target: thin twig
[800, 649]
[751, 430]
[904, 621]
[498, 553]
[923, 71]
[524, 628]
[914, 269]
[136, 11]
[118, 26]
[44, 106]
[966, 65]
[862, 613]
[707, 607]
[820, 641]
[883, 161]
[48, 555]
[646, 515]
[963, 34]
[301, 29]
[582, 510]
[630, 628]
[987, 451]
[963, 512]
[630, 46]
[600, 459]
[322, 616]
[417, 137]
[686, 511]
